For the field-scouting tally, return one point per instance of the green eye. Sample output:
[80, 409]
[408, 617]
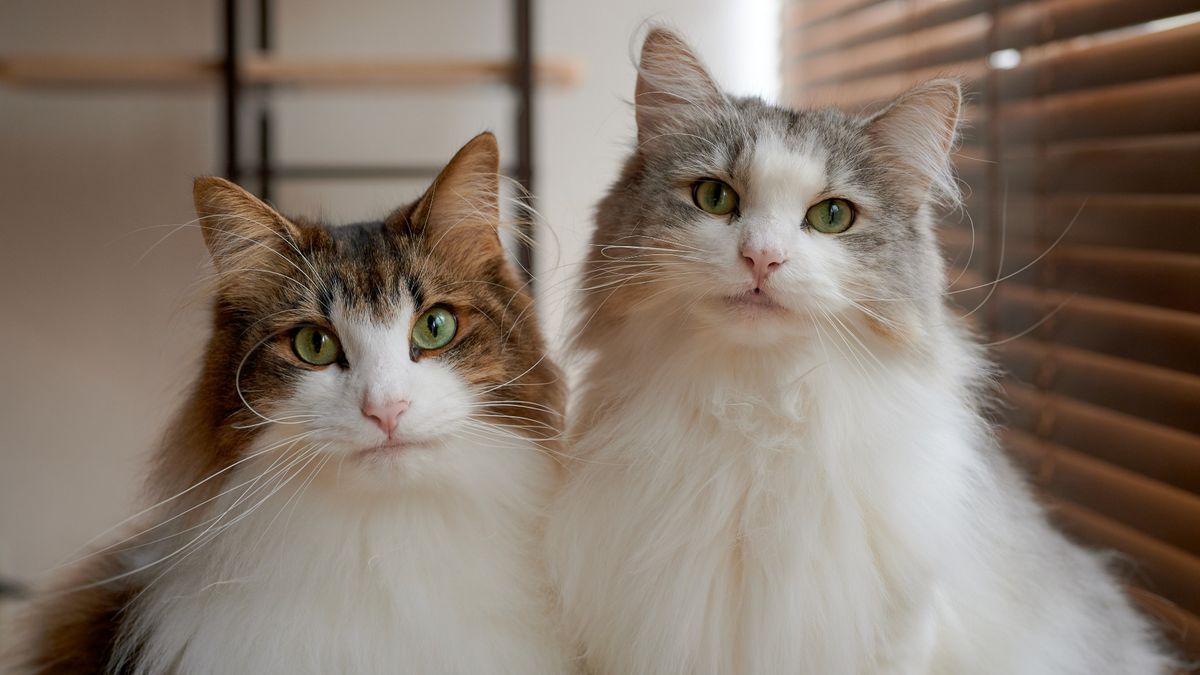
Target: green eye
[316, 346]
[714, 197]
[435, 329]
[831, 216]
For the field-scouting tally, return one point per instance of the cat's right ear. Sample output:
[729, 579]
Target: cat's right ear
[459, 215]
[239, 228]
[916, 133]
[671, 82]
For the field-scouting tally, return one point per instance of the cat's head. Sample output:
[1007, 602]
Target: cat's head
[380, 345]
[766, 224]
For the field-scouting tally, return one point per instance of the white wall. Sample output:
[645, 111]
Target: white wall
[99, 341]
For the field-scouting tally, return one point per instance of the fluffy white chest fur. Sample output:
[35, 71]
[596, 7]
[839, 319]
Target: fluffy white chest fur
[436, 580]
[816, 515]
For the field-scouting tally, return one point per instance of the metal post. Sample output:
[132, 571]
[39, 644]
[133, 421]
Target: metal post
[265, 128]
[233, 90]
[524, 83]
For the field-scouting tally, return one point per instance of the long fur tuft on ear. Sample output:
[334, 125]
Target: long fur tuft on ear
[671, 78]
[917, 132]
[240, 230]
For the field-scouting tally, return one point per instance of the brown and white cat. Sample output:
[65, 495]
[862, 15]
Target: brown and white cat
[358, 480]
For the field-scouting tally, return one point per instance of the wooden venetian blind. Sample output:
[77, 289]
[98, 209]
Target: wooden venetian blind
[1081, 162]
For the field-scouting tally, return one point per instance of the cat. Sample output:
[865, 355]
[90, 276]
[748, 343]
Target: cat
[782, 463]
[358, 481]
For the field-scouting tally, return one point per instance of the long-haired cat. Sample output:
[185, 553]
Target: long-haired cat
[782, 463]
[358, 481]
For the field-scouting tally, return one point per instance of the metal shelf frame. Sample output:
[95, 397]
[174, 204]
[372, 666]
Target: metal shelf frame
[267, 173]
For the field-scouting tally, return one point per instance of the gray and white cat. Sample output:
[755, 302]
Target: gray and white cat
[782, 465]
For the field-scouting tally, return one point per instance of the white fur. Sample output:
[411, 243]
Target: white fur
[757, 494]
[424, 562]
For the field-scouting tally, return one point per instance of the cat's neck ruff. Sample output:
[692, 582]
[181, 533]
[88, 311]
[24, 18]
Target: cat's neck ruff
[319, 577]
[775, 478]
[700, 367]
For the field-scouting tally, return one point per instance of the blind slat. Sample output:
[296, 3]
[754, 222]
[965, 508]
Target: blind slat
[883, 20]
[1036, 23]
[1165, 454]
[1161, 567]
[1177, 625]
[1162, 222]
[1162, 511]
[1080, 65]
[1156, 278]
[1151, 335]
[868, 90]
[955, 41]
[1016, 27]
[1161, 164]
[1169, 105]
[807, 14]
[1158, 395]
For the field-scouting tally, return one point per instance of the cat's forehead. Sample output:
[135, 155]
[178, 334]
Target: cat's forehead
[371, 335]
[781, 166]
[370, 271]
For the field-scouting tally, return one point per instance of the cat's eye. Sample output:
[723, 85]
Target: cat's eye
[715, 197]
[316, 346]
[435, 329]
[831, 216]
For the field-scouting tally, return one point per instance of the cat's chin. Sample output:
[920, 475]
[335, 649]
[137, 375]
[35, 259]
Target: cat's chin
[389, 465]
[751, 320]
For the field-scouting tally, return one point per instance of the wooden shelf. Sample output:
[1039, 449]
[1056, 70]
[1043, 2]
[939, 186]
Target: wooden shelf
[300, 72]
[106, 71]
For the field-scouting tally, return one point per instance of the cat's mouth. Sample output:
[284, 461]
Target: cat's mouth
[392, 448]
[755, 300]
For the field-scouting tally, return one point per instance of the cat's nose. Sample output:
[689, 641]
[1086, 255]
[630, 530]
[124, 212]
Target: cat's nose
[762, 261]
[385, 414]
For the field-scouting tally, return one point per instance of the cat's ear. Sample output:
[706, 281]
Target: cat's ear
[671, 80]
[916, 133]
[239, 229]
[460, 213]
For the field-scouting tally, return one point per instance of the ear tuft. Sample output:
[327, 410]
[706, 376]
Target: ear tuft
[917, 132]
[461, 210]
[237, 225]
[671, 78]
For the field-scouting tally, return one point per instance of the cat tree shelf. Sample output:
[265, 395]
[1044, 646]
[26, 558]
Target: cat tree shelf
[106, 72]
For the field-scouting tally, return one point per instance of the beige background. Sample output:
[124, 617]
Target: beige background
[101, 327]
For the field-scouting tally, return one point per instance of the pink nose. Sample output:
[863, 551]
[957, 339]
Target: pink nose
[385, 415]
[762, 261]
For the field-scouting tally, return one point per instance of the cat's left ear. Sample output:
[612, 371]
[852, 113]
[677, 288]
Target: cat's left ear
[916, 133]
[460, 213]
[240, 230]
[672, 82]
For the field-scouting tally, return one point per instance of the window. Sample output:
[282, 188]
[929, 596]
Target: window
[1081, 159]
